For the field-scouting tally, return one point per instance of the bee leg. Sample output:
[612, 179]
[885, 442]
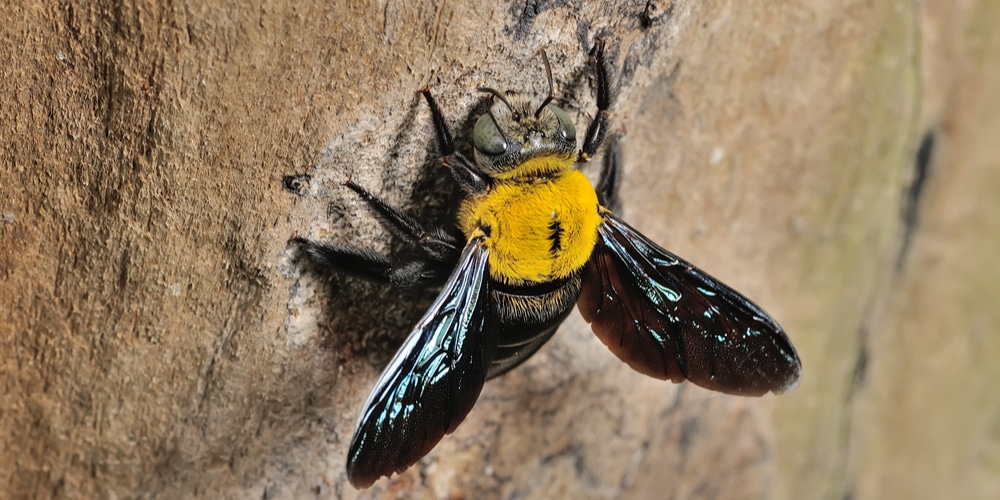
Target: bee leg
[433, 256]
[365, 264]
[462, 170]
[598, 128]
[416, 269]
[607, 186]
[446, 146]
[398, 223]
[435, 251]
[409, 272]
[436, 243]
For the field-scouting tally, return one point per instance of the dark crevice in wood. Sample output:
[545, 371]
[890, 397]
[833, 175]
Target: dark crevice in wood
[911, 204]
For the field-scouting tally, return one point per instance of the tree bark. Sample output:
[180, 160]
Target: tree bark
[837, 163]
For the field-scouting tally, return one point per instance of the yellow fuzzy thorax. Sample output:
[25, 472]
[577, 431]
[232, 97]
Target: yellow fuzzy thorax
[541, 223]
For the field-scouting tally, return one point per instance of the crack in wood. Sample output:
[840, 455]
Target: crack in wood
[911, 204]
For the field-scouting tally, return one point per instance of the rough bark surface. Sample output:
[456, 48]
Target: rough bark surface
[836, 161]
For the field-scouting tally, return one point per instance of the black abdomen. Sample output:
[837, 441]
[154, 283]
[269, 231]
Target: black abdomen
[528, 316]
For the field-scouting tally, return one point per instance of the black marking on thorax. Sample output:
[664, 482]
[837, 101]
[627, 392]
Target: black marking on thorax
[555, 236]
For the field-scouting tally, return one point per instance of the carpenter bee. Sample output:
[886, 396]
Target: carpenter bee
[537, 238]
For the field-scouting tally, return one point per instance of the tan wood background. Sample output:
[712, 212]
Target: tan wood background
[158, 340]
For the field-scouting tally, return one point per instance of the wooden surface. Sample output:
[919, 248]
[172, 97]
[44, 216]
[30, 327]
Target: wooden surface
[159, 340]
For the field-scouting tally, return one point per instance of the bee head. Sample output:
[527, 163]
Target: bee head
[515, 130]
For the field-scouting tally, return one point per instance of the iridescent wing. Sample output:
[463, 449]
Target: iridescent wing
[670, 320]
[433, 381]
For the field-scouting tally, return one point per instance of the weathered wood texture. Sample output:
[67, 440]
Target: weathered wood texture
[158, 340]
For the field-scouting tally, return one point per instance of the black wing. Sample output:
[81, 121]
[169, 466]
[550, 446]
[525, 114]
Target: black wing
[433, 381]
[670, 320]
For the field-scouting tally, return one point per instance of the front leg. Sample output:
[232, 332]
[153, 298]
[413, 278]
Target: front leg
[598, 128]
[607, 185]
[462, 170]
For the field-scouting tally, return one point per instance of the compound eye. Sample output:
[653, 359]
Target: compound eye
[566, 127]
[487, 137]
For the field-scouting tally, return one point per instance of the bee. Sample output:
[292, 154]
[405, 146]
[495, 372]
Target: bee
[536, 238]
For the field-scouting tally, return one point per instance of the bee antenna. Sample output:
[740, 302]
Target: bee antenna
[497, 94]
[548, 76]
